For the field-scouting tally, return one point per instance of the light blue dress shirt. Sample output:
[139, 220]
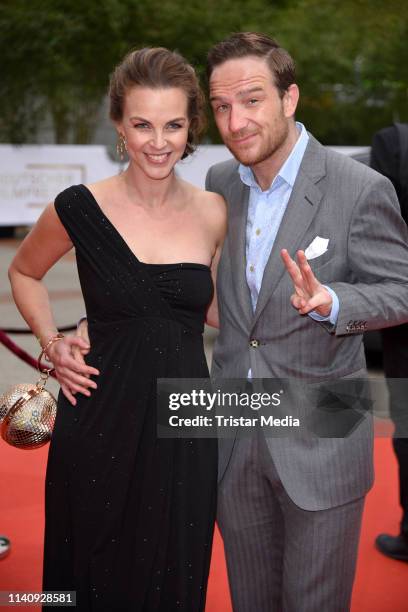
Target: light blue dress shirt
[265, 212]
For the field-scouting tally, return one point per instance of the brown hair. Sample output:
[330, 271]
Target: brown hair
[158, 68]
[244, 44]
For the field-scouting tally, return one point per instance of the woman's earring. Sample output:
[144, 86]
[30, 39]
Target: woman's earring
[121, 147]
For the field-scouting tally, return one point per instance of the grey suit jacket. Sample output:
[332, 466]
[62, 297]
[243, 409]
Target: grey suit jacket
[366, 264]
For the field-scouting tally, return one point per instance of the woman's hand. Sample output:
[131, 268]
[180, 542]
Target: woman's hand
[82, 332]
[67, 356]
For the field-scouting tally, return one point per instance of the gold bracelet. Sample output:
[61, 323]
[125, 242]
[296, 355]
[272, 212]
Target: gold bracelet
[44, 348]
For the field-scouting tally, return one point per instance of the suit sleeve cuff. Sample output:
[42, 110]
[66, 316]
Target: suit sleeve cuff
[332, 318]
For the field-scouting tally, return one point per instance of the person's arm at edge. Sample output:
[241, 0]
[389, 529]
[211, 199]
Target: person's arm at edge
[46, 243]
[212, 318]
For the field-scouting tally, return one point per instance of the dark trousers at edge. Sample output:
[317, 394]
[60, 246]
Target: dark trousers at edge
[395, 355]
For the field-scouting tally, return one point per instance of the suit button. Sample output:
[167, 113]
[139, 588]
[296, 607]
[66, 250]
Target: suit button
[254, 343]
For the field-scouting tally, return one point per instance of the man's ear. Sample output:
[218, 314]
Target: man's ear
[290, 100]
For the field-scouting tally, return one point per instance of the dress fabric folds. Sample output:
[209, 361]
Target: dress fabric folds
[130, 516]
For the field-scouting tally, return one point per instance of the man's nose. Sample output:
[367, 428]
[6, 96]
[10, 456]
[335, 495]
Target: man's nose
[237, 119]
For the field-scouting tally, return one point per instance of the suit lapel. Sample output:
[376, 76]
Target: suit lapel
[237, 220]
[301, 209]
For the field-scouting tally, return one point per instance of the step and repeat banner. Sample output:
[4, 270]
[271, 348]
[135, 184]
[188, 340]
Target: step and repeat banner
[32, 175]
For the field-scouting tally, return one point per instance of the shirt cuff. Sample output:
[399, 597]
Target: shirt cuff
[333, 316]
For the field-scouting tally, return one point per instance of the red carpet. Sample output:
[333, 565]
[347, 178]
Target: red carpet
[381, 584]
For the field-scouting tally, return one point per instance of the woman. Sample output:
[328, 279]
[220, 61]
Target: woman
[129, 517]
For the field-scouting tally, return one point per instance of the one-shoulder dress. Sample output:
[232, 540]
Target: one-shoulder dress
[130, 515]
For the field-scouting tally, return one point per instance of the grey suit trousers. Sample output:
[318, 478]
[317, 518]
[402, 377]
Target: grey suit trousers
[282, 558]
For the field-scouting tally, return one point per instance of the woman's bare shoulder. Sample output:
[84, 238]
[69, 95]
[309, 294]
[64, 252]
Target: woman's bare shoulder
[103, 186]
[212, 205]
[207, 201]
[212, 209]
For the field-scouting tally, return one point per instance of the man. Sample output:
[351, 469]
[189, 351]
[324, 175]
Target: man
[290, 508]
[389, 155]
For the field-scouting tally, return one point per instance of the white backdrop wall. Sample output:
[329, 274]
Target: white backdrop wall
[32, 175]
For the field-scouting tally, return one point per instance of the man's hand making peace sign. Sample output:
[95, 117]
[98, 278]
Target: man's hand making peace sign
[309, 293]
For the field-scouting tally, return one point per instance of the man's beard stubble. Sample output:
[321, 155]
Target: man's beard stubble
[275, 141]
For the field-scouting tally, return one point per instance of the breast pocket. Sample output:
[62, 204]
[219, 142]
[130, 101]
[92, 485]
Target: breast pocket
[318, 262]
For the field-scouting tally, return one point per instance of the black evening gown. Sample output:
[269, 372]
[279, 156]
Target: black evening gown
[130, 516]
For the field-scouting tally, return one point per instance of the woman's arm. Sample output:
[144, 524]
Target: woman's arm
[212, 312]
[218, 220]
[42, 248]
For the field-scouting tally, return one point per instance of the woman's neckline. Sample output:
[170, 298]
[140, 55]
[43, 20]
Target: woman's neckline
[92, 199]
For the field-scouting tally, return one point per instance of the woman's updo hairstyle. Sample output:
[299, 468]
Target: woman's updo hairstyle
[159, 68]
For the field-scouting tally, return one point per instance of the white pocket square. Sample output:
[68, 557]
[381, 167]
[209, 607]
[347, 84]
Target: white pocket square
[317, 247]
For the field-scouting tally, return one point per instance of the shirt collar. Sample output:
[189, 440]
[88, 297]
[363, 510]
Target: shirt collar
[290, 167]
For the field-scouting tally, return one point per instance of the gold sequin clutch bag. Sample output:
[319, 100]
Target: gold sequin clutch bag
[27, 413]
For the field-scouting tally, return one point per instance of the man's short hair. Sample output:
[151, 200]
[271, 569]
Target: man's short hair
[246, 44]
